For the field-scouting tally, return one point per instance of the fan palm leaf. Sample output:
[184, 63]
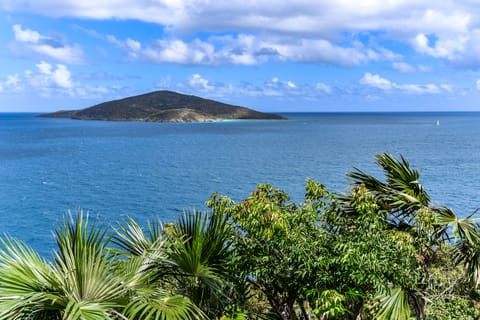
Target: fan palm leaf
[148, 273]
[393, 304]
[81, 282]
[401, 193]
[28, 285]
[200, 253]
[155, 303]
[131, 238]
[91, 283]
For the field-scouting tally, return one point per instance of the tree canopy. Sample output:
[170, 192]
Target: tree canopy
[380, 251]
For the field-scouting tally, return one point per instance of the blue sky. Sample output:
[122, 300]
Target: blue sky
[299, 55]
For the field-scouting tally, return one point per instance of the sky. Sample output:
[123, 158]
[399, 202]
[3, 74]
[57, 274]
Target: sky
[269, 55]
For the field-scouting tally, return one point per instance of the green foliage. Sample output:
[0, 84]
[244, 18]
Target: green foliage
[81, 283]
[200, 255]
[407, 208]
[369, 256]
[330, 305]
[453, 307]
[393, 304]
[278, 244]
[382, 251]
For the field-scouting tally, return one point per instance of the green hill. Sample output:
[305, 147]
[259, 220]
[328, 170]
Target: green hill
[163, 106]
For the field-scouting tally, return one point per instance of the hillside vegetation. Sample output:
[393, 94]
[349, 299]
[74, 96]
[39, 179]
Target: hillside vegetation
[163, 106]
[382, 251]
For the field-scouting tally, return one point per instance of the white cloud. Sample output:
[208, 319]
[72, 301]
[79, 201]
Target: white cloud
[327, 31]
[49, 76]
[301, 16]
[47, 46]
[461, 50]
[274, 87]
[26, 35]
[248, 49]
[375, 81]
[61, 77]
[322, 51]
[174, 51]
[277, 87]
[67, 54]
[403, 67]
[11, 84]
[323, 87]
[55, 81]
[477, 84]
[197, 82]
[133, 45]
[424, 68]
[44, 67]
[447, 87]
[420, 89]
[449, 48]
[12, 80]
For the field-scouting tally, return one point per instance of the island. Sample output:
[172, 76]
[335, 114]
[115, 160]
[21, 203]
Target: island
[163, 106]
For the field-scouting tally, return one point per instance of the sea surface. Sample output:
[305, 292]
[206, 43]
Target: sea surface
[147, 170]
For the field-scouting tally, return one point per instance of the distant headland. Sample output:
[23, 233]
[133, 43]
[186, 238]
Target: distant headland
[163, 106]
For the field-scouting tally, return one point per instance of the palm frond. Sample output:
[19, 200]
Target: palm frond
[158, 304]
[461, 229]
[401, 195]
[200, 255]
[92, 286]
[468, 254]
[131, 238]
[393, 304]
[28, 285]
[202, 240]
[77, 233]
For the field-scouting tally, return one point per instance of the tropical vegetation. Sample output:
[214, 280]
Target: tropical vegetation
[382, 251]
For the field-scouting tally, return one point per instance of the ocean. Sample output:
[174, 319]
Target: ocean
[116, 170]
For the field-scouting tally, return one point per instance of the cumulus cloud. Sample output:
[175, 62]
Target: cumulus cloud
[376, 81]
[460, 50]
[197, 82]
[424, 68]
[47, 46]
[180, 52]
[12, 81]
[247, 49]
[449, 48]
[271, 88]
[323, 87]
[58, 76]
[308, 17]
[11, 84]
[403, 67]
[54, 80]
[277, 87]
[327, 31]
[323, 51]
[25, 35]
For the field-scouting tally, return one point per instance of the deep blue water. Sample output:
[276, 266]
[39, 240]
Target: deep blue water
[146, 170]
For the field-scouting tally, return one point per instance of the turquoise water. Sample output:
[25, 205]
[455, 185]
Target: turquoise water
[145, 170]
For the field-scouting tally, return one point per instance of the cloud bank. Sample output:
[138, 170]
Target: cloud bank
[47, 46]
[301, 31]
